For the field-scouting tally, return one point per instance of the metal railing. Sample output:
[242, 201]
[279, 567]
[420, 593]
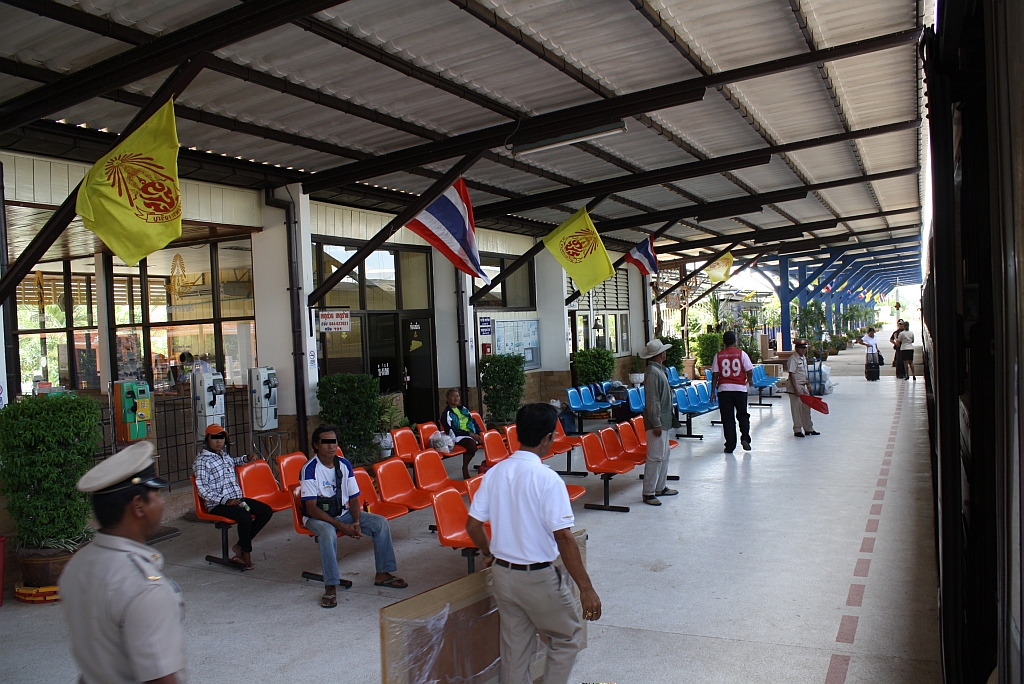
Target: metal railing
[177, 442]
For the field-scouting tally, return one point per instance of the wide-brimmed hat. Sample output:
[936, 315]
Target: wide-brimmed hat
[654, 347]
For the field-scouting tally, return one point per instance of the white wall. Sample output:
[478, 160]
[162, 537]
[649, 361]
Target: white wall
[552, 312]
[273, 303]
[446, 324]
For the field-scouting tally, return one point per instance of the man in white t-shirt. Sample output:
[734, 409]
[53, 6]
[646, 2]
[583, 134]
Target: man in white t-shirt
[531, 519]
[332, 508]
[906, 338]
[731, 372]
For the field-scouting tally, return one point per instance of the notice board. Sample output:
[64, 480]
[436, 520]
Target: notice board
[519, 337]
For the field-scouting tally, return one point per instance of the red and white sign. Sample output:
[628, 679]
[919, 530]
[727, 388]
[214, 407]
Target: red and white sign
[335, 321]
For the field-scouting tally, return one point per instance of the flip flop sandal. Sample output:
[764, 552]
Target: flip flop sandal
[393, 583]
[329, 601]
[237, 560]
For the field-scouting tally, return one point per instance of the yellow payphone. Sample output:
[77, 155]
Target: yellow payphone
[132, 410]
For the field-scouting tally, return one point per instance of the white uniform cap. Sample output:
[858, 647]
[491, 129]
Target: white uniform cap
[127, 468]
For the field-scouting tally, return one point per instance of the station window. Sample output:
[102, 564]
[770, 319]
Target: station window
[518, 291]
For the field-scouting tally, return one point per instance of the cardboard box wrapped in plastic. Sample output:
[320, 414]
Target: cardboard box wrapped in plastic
[450, 633]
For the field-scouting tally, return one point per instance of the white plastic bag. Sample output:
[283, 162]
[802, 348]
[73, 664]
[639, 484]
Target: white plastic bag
[441, 442]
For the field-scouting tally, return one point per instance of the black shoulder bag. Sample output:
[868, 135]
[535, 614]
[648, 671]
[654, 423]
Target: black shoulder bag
[333, 505]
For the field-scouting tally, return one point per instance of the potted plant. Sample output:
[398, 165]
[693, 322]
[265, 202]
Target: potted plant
[594, 365]
[47, 443]
[636, 370]
[503, 381]
[390, 417]
[351, 402]
[708, 344]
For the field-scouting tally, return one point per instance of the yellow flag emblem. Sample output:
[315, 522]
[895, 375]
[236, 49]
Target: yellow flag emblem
[131, 198]
[719, 271]
[577, 246]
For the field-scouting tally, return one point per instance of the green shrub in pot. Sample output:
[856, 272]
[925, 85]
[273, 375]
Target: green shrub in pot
[594, 365]
[351, 402]
[503, 381]
[47, 442]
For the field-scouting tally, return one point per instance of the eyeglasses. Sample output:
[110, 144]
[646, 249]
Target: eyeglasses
[328, 441]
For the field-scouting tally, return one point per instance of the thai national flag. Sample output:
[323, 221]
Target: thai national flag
[448, 226]
[642, 256]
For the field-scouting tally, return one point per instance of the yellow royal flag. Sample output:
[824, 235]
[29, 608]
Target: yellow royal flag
[131, 198]
[577, 245]
[719, 270]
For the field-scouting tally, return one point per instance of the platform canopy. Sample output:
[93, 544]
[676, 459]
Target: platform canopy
[798, 119]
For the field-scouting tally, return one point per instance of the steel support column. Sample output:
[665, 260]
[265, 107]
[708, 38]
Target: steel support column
[785, 296]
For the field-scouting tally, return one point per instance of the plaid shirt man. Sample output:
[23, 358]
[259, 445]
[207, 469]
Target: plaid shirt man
[215, 477]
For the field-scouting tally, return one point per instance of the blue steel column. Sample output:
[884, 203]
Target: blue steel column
[827, 298]
[801, 271]
[784, 298]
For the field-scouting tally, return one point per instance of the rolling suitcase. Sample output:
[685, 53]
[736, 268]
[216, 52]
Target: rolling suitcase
[871, 370]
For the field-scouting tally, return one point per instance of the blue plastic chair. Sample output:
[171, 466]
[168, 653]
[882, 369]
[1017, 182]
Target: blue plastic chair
[589, 404]
[707, 374]
[685, 406]
[575, 403]
[695, 402]
[636, 402]
[673, 377]
[704, 394]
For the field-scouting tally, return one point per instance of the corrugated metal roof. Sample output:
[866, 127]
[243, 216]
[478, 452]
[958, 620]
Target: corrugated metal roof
[568, 53]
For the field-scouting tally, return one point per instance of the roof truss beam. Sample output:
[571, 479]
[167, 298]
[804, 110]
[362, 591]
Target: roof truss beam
[222, 29]
[781, 232]
[743, 205]
[582, 117]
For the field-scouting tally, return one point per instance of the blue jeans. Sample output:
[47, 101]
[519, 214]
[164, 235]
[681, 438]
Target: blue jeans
[373, 526]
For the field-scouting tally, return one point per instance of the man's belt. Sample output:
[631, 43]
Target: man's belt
[519, 566]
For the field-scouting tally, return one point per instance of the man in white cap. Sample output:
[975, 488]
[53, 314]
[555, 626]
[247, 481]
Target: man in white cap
[657, 421]
[124, 617]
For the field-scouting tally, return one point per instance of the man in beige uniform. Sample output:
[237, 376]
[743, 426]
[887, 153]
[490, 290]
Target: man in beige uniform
[799, 384]
[124, 617]
[531, 525]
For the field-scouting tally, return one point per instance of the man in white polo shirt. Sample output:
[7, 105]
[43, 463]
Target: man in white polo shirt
[528, 508]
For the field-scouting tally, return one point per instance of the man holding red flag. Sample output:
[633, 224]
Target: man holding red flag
[731, 372]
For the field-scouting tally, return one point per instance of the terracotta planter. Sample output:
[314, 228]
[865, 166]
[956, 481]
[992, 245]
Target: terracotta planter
[688, 364]
[42, 567]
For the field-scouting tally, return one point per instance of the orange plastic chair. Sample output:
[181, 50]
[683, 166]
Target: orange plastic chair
[599, 463]
[575, 491]
[512, 439]
[406, 446]
[290, 467]
[494, 448]
[431, 475]
[479, 421]
[257, 482]
[473, 484]
[563, 439]
[628, 438]
[641, 432]
[613, 447]
[221, 523]
[295, 492]
[372, 503]
[451, 515]
[425, 430]
[396, 486]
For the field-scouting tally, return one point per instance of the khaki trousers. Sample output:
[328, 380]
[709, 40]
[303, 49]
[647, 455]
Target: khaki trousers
[801, 414]
[530, 602]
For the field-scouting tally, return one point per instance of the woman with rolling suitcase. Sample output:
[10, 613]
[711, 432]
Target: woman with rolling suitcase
[871, 364]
